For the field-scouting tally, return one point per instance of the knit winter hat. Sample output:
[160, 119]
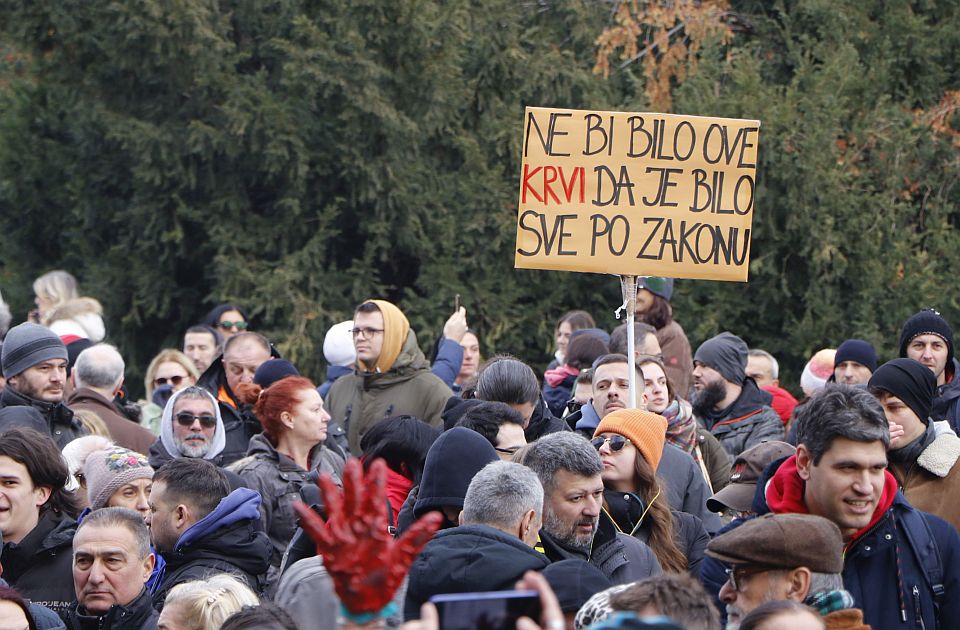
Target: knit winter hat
[338, 348]
[926, 322]
[726, 353]
[817, 370]
[662, 287]
[856, 350]
[108, 471]
[29, 344]
[646, 430]
[273, 370]
[910, 381]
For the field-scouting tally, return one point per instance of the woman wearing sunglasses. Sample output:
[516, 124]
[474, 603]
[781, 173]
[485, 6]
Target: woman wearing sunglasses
[169, 372]
[630, 443]
[229, 319]
[279, 460]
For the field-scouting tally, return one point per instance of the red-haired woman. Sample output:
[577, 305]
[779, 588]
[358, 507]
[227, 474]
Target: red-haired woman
[279, 459]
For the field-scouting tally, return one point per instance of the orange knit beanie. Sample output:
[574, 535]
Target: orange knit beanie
[646, 430]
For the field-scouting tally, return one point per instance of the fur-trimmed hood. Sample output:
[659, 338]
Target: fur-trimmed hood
[82, 317]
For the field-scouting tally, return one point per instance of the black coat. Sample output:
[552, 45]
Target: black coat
[40, 566]
[467, 559]
[158, 456]
[239, 422]
[54, 419]
[137, 615]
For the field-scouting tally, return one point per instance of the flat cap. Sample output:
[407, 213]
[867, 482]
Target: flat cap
[744, 474]
[782, 541]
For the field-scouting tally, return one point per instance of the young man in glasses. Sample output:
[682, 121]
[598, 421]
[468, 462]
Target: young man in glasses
[795, 557]
[97, 377]
[392, 376]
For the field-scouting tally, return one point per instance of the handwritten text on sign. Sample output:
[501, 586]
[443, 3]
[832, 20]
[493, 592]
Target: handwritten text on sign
[637, 194]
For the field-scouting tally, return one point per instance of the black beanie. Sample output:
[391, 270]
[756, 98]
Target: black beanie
[926, 322]
[856, 350]
[910, 381]
[273, 370]
[727, 354]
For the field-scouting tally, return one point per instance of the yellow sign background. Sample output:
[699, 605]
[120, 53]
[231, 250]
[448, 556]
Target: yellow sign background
[639, 194]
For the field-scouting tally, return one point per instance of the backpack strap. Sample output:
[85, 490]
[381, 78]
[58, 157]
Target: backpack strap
[927, 551]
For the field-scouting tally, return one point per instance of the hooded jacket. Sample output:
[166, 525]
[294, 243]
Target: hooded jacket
[452, 461]
[278, 479]
[881, 569]
[360, 400]
[238, 420]
[620, 557]
[165, 448]
[40, 566]
[137, 615]
[468, 559]
[81, 317]
[748, 421]
[54, 419]
[230, 539]
[932, 482]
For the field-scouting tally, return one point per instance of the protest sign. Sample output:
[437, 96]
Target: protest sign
[637, 194]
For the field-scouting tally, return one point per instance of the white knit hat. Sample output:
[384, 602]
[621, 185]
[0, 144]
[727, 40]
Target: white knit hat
[338, 348]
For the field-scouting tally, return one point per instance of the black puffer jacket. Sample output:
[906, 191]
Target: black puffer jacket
[137, 615]
[228, 540]
[54, 419]
[41, 565]
[468, 559]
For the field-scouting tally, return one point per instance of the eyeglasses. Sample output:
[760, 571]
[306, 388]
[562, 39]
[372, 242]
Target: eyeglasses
[617, 442]
[737, 576]
[228, 325]
[185, 419]
[510, 450]
[367, 332]
[174, 380]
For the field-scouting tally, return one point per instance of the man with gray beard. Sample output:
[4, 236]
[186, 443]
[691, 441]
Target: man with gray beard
[191, 426]
[574, 523]
[728, 402]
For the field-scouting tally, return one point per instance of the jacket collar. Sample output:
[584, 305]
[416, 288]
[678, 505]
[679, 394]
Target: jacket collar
[130, 615]
[940, 457]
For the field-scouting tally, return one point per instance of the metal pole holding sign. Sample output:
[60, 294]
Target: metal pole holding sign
[628, 285]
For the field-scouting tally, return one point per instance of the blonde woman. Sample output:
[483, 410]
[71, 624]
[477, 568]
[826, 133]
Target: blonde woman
[168, 372]
[63, 310]
[205, 604]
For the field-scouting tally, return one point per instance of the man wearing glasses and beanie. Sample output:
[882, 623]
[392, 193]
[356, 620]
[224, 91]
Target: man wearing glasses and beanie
[392, 376]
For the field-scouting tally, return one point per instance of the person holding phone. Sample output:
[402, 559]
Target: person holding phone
[630, 443]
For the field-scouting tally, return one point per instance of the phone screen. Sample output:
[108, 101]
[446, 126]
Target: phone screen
[496, 610]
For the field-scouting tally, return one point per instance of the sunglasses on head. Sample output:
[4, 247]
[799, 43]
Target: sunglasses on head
[617, 442]
[173, 380]
[228, 325]
[185, 419]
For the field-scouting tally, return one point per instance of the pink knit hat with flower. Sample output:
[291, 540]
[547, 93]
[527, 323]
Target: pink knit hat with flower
[109, 470]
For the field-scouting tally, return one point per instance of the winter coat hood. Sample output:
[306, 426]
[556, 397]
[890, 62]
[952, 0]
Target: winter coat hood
[396, 336]
[81, 317]
[166, 429]
[241, 504]
[467, 559]
[452, 461]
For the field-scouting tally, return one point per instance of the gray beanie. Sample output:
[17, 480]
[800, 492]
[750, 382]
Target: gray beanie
[727, 354]
[29, 344]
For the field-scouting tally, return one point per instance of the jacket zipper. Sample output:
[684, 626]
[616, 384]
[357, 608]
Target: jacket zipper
[916, 603]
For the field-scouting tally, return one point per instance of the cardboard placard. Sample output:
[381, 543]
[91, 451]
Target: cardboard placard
[637, 194]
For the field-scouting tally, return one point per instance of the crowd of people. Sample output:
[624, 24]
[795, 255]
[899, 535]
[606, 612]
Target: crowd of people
[238, 493]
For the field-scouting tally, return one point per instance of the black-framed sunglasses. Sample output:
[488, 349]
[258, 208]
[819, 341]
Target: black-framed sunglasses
[617, 442]
[173, 380]
[207, 421]
[228, 325]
